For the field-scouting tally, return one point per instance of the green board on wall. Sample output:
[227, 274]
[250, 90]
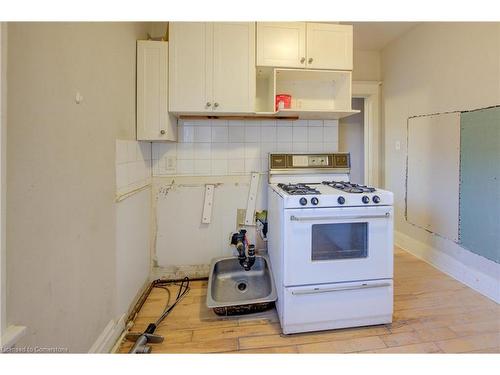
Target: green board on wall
[479, 214]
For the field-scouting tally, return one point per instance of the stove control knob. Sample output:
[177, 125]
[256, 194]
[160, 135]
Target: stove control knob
[303, 201]
[341, 200]
[376, 199]
[365, 199]
[314, 201]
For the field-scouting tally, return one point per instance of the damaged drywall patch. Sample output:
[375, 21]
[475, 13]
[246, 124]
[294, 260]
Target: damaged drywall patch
[485, 158]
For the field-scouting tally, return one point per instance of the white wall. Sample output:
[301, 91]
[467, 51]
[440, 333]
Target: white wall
[133, 260]
[61, 210]
[366, 66]
[434, 68]
[133, 221]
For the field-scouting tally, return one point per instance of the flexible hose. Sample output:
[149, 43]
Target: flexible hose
[183, 289]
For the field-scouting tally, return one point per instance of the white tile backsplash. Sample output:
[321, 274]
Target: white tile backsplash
[133, 164]
[184, 150]
[202, 133]
[252, 150]
[219, 134]
[202, 167]
[202, 151]
[315, 134]
[236, 166]
[235, 147]
[283, 134]
[236, 150]
[268, 134]
[252, 133]
[219, 167]
[236, 133]
[299, 134]
[185, 167]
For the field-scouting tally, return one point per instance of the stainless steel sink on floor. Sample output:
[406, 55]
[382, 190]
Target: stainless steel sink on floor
[232, 290]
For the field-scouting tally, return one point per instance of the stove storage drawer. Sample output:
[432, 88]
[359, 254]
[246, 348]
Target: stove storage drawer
[339, 305]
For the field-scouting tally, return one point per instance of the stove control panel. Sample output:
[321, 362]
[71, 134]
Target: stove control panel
[310, 161]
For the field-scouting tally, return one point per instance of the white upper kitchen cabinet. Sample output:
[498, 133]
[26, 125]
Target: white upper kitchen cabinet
[154, 123]
[281, 44]
[304, 45]
[212, 67]
[190, 66]
[233, 67]
[329, 46]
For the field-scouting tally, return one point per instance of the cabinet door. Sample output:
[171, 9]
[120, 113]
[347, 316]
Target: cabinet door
[329, 46]
[281, 44]
[153, 120]
[190, 66]
[234, 67]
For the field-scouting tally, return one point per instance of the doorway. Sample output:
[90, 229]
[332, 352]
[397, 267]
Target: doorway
[352, 140]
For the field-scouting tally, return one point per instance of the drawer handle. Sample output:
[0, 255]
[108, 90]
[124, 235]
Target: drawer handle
[338, 289]
[310, 60]
[302, 60]
[340, 217]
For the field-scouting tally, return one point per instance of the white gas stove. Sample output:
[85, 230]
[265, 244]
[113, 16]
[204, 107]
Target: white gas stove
[330, 243]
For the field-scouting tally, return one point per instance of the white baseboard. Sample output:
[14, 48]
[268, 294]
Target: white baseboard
[11, 336]
[472, 277]
[109, 336]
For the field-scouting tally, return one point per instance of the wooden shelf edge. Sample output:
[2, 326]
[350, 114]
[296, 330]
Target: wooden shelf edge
[287, 114]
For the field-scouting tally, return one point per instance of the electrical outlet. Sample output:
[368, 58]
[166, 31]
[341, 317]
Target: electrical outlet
[171, 161]
[241, 214]
[397, 145]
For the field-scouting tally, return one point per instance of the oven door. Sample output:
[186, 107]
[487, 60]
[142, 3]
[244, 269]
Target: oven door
[326, 245]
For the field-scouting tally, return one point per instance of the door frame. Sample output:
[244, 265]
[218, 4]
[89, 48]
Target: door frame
[370, 92]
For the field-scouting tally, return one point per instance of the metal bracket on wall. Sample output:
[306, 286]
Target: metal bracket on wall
[208, 204]
[252, 199]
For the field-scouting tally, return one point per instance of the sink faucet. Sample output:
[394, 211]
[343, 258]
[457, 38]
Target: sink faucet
[240, 241]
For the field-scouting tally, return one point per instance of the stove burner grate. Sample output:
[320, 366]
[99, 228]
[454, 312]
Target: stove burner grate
[349, 187]
[298, 189]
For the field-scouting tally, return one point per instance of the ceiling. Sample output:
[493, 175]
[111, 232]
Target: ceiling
[375, 36]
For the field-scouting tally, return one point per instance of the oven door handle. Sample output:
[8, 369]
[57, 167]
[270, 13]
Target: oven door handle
[339, 289]
[339, 217]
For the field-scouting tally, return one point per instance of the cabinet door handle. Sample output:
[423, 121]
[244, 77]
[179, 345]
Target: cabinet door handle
[302, 60]
[216, 104]
[162, 132]
[208, 104]
[310, 60]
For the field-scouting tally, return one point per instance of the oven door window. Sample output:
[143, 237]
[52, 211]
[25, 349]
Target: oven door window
[339, 241]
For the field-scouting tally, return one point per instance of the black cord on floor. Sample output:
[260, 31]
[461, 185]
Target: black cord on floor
[183, 289]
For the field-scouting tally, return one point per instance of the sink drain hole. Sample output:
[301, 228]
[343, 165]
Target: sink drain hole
[242, 286]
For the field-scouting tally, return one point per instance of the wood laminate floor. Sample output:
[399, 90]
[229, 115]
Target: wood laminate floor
[433, 313]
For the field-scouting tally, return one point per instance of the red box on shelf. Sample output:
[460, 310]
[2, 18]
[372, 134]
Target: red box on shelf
[286, 99]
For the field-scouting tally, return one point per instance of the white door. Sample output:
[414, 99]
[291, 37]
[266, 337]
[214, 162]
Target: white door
[190, 66]
[281, 44]
[329, 46]
[233, 67]
[330, 245]
[153, 119]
